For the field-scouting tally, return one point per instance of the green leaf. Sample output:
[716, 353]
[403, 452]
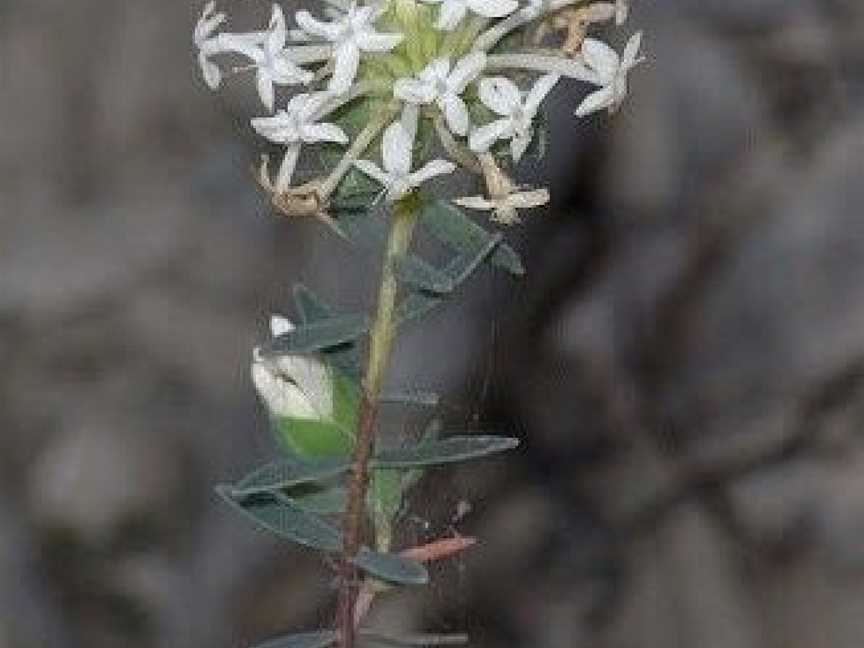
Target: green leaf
[320, 501]
[278, 514]
[318, 639]
[308, 439]
[418, 274]
[311, 309]
[391, 567]
[451, 226]
[412, 397]
[321, 334]
[282, 474]
[449, 450]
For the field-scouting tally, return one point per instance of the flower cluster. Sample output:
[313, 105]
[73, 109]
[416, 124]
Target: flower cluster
[389, 78]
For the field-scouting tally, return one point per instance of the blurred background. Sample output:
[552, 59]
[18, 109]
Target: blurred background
[684, 362]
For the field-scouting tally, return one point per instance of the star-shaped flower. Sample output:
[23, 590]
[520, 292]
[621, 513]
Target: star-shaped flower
[350, 33]
[517, 111]
[453, 11]
[439, 84]
[294, 126]
[505, 209]
[208, 44]
[397, 177]
[611, 73]
[269, 57]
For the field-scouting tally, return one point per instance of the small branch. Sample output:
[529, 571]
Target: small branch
[380, 347]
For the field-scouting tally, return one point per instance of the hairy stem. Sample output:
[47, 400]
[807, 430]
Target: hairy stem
[383, 334]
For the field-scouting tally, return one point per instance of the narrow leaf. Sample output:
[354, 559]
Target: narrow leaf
[312, 309]
[283, 474]
[451, 226]
[418, 274]
[391, 567]
[415, 641]
[321, 334]
[278, 514]
[412, 397]
[449, 450]
[320, 501]
[319, 639]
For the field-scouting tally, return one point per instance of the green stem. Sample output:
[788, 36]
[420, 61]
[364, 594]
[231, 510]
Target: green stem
[382, 336]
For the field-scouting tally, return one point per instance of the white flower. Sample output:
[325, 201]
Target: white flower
[296, 125]
[517, 111]
[396, 149]
[437, 83]
[269, 57]
[350, 33]
[505, 208]
[207, 44]
[611, 73]
[293, 386]
[453, 11]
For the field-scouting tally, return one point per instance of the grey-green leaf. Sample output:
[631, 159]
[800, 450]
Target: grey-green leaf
[318, 335]
[391, 567]
[278, 514]
[318, 639]
[282, 474]
[451, 226]
[412, 397]
[312, 309]
[444, 451]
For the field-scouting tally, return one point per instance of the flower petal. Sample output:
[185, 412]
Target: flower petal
[631, 51]
[265, 88]
[455, 113]
[465, 71]
[327, 30]
[312, 133]
[373, 171]
[500, 95]
[431, 170]
[372, 41]
[538, 93]
[601, 58]
[493, 8]
[475, 202]
[483, 137]
[519, 144]
[451, 14]
[414, 91]
[277, 33]
[396, 149]
[597, 100]
[210, 71]
[347, 60]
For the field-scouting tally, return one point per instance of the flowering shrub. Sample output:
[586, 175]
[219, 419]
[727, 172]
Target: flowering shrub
[390, 94]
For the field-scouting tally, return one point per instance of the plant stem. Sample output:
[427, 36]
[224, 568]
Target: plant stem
[383, 333]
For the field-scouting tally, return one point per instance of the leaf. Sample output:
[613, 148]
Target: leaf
[320, 501]
[311, 309]
[318, 639]
[414, 641]
[318, 335]
[412, 397]
[418, 274]
[308, 439]
[451, 226]
[282, 474]
[391, 567]
[449, 450]
[278, 514]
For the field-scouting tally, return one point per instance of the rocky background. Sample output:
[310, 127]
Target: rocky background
[685, 361]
